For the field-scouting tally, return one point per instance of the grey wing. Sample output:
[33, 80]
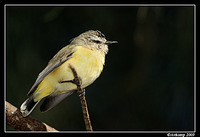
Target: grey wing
[63, 55]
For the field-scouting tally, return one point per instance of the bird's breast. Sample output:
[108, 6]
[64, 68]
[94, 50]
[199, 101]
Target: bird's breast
[88, 64]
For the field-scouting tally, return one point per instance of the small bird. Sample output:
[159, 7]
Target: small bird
[86, 53]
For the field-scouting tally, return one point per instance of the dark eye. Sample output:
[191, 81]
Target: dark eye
[96, 41]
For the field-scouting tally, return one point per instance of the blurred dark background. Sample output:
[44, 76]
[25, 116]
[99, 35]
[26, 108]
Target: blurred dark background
[147, 82]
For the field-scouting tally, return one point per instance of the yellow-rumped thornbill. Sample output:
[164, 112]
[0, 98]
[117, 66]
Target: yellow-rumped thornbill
[86, 53]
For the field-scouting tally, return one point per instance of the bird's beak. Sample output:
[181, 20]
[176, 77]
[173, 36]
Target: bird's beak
[110, 42]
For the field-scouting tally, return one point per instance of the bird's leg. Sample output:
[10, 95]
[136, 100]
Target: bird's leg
[74, 81]
[78, 83]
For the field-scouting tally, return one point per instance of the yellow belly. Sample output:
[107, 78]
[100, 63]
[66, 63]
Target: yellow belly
[88, 64]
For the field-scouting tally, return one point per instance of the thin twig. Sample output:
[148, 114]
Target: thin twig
[18, 122]
[81, 94]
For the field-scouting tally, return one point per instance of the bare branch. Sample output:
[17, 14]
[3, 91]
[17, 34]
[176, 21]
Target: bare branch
[17, 121]
[80, 91]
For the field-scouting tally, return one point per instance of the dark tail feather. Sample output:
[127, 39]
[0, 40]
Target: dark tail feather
[28, 106]
[52, 100]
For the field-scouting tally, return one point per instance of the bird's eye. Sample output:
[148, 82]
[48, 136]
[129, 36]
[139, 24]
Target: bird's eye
[96, 41]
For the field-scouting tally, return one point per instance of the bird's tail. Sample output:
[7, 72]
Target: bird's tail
[28, 106]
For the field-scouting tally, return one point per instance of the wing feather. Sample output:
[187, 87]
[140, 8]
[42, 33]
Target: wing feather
[63, 55]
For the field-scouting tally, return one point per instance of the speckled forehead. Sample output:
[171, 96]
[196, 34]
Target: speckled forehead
[99, 34]
[93, 33]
